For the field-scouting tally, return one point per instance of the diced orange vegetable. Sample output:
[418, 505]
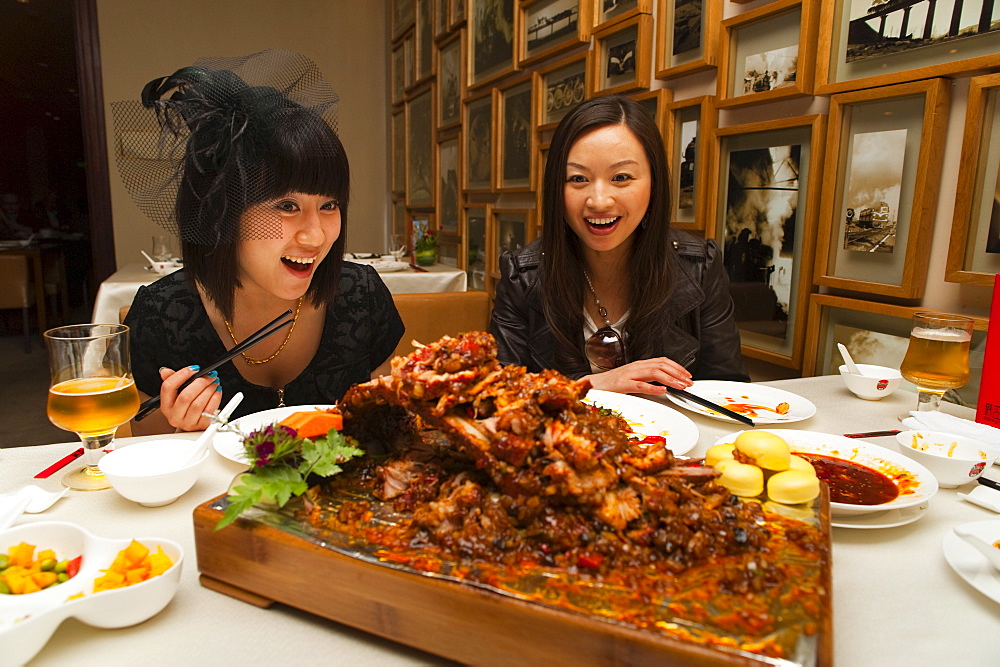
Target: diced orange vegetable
[135, 552]
[44, 579]
[159, 562]
[22, 554]
[46, 554]
[24, 573]
[313, 424]
[125, 570]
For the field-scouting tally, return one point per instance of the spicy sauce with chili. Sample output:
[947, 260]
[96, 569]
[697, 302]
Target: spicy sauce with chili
[850, 482]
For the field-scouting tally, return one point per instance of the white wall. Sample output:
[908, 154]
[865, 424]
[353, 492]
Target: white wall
[145, 39]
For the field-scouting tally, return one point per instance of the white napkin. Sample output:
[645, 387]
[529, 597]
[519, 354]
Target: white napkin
[984, 497]
[934, 420]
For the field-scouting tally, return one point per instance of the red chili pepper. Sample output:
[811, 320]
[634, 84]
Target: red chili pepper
[593, 561]
[73, 566]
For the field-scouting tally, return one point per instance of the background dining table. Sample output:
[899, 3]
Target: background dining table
[896, 600]
[120, 287]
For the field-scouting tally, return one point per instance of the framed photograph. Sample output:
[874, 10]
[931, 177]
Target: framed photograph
[409, 60]
[690, 124]
[442, 22]
[449, 191]
[607, 13]
[766, 54]
[449, 253]
[621, 59]
[425, 40]
[768, 191]
[655, 103]
[402, 17]
[877, 333]
[474, 241]
[551, 27]
[398, 66]
[492, 40]
[880, 189]
[479, 140]
[515, 123]
[561, 86]
[687, 36]
[399, 152]
[418, 225]
[420, 150]
[865, 43]
[511, 230]
[457, 11]
[974, 251]
[450, 80]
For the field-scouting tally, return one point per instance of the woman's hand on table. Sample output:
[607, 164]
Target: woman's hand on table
[184, 410]
[638, 376]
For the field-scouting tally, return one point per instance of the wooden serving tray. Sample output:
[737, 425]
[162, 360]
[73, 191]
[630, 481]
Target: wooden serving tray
[260, 564]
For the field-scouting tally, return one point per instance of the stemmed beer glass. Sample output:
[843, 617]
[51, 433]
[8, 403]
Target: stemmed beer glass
[937, 358]
[91, 391]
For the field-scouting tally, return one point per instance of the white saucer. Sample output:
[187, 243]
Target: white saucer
[969, 563]
[874, 520]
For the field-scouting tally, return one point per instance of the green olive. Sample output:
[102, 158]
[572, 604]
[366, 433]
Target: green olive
[62, 577]
[4, 561]
[61, 566]
[47, 565]
[4, 588]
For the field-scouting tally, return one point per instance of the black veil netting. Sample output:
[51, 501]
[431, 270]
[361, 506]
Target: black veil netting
[211, 140]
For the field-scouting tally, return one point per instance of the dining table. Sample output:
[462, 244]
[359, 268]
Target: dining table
[120, 287]
[896, 600]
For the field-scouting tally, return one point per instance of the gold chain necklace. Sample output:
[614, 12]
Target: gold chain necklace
[250, 360]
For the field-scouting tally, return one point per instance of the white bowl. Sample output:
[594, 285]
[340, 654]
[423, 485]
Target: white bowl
[27, 621]
[150, 473]
[877, 381]
[955, 460]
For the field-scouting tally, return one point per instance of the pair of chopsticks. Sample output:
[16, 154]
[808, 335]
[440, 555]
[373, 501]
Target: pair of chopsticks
[704, 402]
[418, 269]
[268, 329]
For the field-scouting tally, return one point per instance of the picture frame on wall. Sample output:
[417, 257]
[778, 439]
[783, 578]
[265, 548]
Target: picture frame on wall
[767, 54]
[409, 60]
[515, 124]
[877, 333]
[691, 123]
[420, 149]
[477, 252]
[687, 36]
[450, 81]
[865, 44]
[607, 13]
[550, 27]
[457, 12]
[561, 86]
[492, 40]
[442, 21]
[398, 66]
[511, 230]
[655, 104]
[621, 58]
[768, 187]
[479, 140]
[449, 187]
[402, 17]
[424, 32]
[399, 219]
[881, 181]
[974, 250]
[399, 152]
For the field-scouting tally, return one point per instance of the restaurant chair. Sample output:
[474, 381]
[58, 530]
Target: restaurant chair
[428, 317]
[15, 291]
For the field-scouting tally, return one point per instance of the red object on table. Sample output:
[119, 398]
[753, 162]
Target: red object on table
[60, 464]
[988, 411]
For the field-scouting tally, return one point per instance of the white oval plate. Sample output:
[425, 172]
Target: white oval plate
[28, 621]
[229, 445]
[885, 519]
[723, 392]
[886, 461]
[969, 563]
[389, 267]
[648, 417]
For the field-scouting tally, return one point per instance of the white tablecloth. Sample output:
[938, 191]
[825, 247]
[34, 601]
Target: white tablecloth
[896, 601]
[120, 288]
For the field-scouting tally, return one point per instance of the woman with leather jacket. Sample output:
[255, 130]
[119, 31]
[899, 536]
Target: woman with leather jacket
[610, 292]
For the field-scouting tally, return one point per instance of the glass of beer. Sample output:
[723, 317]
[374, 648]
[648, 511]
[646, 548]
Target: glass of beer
[91, 391]
[937, 358]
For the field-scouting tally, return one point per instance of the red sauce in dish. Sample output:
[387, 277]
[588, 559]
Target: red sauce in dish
[852, 483]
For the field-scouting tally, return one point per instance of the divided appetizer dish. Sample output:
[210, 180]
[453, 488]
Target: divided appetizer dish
[762, 404]
[28, 620]
[509, 505]
[863, 478]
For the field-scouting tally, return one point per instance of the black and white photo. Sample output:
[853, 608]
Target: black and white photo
[874, 182]
[770, 70]
[492, 32]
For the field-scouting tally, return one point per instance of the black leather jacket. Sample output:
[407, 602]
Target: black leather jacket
[699, 317]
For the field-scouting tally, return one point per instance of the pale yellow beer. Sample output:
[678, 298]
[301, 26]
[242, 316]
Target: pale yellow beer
[92, 405]
[937, 359]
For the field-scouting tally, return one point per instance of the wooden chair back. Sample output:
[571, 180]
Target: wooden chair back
[428, 317]
[15, 291]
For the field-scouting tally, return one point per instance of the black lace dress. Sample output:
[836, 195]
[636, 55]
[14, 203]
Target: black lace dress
[169, 327]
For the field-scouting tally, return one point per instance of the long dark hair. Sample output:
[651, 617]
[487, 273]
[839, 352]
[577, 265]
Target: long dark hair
[650, 263]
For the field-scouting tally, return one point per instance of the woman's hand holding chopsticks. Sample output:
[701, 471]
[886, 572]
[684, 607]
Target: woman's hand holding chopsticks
[184, 406]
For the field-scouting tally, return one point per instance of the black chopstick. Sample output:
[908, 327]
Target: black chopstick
[271, 327]
[710, 405]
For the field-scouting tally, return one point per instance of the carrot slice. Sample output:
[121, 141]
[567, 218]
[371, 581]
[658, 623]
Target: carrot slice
[313, 424]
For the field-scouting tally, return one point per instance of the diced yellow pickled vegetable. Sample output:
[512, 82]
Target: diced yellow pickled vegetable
[135, 552]
[22, 554]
